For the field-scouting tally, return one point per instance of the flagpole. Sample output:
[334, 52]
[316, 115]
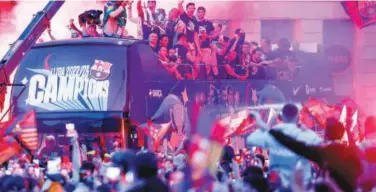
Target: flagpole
[122, 132]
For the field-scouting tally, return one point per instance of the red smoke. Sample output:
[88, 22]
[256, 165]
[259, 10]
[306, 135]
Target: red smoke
[6, 6]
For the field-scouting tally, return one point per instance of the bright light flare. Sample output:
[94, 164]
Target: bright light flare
[23, 14]
[272, 112]
[342, 117]
[354, 119]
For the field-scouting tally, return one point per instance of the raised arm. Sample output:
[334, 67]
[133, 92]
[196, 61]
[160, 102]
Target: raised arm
[180, 7]
[259, 121]
[214, 34]
[235, 43]
[73, 27]
[140, 11]
[76, 158]
[130, 13]
[219, 50]
[119, 10]
[257, 139]
[312, 153]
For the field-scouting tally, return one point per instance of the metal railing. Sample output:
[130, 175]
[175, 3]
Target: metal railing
[199, 72]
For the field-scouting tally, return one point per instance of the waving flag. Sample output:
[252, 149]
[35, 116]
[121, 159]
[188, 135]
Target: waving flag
[156, 131]
[363, 13]
[24, 126]
[356, 133]
[207, 143]
[315, 112]
[8, 148]
[29, 132]
[342, 117]
[354, 120]
[239, 124]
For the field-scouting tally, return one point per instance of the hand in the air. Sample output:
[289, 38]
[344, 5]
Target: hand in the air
[73, 136]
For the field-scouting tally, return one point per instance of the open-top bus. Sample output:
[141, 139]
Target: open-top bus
[91, 82]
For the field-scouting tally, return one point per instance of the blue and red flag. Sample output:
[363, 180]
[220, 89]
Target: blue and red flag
[363, 13]
[28, 131]
[9, 147]
[24, 126]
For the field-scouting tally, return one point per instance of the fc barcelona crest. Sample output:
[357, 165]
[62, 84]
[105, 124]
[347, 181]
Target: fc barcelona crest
[100, 70]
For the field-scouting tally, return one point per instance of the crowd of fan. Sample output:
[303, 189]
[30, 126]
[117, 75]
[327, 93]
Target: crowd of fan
[188, 45]
[297, 160]
[191, 47]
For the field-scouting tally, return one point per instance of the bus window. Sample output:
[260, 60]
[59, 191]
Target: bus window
[151, 67]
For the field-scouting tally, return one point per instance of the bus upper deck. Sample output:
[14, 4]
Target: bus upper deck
[97, 79]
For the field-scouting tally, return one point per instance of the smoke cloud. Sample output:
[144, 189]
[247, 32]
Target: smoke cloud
[15, 21]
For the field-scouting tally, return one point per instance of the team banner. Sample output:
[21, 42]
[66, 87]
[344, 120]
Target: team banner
[363, 13]
[82, 82]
